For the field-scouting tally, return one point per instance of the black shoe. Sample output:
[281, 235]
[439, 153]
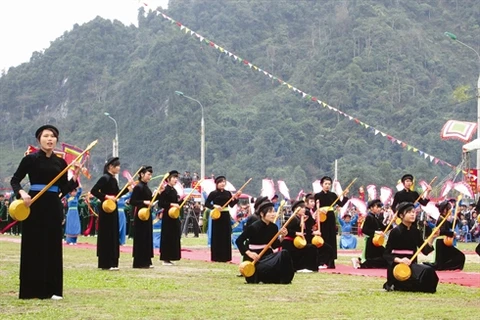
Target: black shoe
[388, 287]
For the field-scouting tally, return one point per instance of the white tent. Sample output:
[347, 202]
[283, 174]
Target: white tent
[472, 145]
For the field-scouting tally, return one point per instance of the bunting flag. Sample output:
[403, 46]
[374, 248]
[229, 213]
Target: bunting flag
[459, 130]
[179, 187]
[317, 186]
[72, 152]
[359, 205]
[464, 188]
[386, 195]
[304, 95]
[208, 185]
[282, 187]
[337, 189]
[447, 186]
[372, 192]
[432, 210]
[268, 189]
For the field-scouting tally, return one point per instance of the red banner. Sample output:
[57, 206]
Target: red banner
[471, 177]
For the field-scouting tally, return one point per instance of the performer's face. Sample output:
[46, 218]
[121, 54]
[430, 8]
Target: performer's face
[147, 176]
[269, 216]
[327, 184]
[310, 203]
[114, 169]
[47, 140]
[376, 209]
[173, 181]
[410, 216]
[221, 185]
[407, 183]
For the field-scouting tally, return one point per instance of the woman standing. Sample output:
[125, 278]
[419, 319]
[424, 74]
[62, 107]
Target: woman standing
[41, 263]
[221, 248]
[324, 199]
[143, 238]
[170, 236]
[108, 244]
[72, 220]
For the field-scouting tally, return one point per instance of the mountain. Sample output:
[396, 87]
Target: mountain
[387, 65]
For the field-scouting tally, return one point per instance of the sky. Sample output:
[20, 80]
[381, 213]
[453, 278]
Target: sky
[30, 25]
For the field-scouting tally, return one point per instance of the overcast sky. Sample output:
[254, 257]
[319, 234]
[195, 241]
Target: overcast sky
[30, 25]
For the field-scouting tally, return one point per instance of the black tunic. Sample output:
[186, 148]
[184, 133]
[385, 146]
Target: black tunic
[272, 267]
[143, 238]
[325, 252]
[221, 243]
[305, 258]
[373, 254]
[41, 264]
[447, 258]
[423, 278]
[407, 196]
[328, 227]
[170, 249]
[108, 242]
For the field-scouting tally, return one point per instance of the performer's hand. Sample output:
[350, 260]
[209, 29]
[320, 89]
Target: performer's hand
[252, 255]
[174, 205]
[345, 192]
[316, 233]
[27, 200]
[216, 206]
[146, 202]
[130, 188]
[283, 231]
[299, 234]
[405, 261]
[110, 197]
[238, 194]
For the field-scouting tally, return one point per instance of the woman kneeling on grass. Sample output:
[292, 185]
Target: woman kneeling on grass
[402, 244]
[272, 267]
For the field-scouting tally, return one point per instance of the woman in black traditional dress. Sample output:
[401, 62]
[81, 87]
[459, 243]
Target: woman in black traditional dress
[170, 249]
[272, 267]
[304, 259]
[402, 244]
[221, 248]
[446, 257]
[143, 238]
[41, 263]
[108, 240]
[323, 200]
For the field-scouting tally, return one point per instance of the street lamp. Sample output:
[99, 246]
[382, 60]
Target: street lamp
[115, 141]
[202, 134]
[454, 38]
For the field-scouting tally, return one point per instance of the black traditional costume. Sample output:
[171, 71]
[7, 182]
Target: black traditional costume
[170, 249]
[406, 195]
[41, 264]
[328, 228]
[108, 239]
[403, 242]
[447, 257]
[302, 258]
[373, 255]
[221, 243]
[272, 267]
[143, 238]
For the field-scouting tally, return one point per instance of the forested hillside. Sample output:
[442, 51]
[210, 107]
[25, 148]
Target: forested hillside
[386, 63]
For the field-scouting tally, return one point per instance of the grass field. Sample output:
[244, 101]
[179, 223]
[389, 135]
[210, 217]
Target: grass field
[204, 290]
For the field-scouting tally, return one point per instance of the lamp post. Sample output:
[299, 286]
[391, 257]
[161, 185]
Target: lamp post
[202, 135]
[454, 38]
[115, 141]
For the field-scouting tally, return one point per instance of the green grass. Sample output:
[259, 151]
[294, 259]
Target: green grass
[202, 290]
